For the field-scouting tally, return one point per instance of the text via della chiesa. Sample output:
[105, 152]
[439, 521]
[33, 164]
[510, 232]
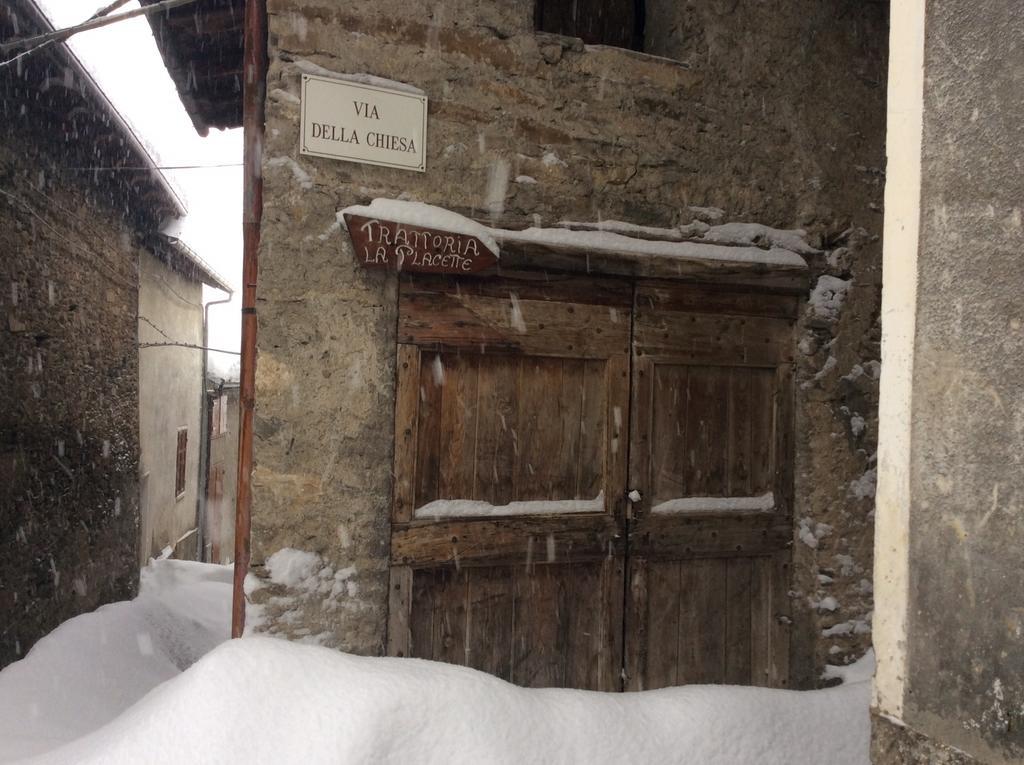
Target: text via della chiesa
[372, 138]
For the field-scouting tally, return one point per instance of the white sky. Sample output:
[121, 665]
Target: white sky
[124, 60]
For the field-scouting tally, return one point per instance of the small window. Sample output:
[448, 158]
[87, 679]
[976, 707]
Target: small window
[219, 415]
[179, 466]
[223, 413]
[596, 22]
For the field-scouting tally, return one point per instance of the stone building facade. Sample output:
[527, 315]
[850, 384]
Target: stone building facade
[87, 275]
[71, 242]
[774, 115]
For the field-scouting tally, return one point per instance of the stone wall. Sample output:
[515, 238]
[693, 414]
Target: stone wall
[774, 114]
[68, 398]
[893, 744]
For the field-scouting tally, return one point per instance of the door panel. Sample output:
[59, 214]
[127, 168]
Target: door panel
[508, 527]
[709, 537]
[719, 444]
[540, 625]
[509, 534]
[479, 442]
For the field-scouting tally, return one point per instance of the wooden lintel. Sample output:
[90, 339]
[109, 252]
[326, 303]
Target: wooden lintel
[555, 258]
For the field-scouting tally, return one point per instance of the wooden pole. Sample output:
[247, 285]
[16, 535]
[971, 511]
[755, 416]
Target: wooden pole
[253, 94]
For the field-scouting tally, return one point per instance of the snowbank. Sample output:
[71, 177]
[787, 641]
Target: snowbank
[260, 700]
[80, 696]
[93, 667]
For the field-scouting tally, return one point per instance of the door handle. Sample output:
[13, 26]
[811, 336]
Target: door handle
[634, 498]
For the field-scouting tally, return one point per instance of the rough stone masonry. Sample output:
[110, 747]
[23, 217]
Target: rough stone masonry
[774, 115]
[69, 405]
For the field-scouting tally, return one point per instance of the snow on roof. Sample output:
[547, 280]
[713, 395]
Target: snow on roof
[197, 268]
[731, 234]
[360, 78]
[747, 243]
[607, 242]
[420, 214]
[624, 228]
[119, 138]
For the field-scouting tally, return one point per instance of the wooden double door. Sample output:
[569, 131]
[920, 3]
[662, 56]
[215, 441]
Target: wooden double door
[593, 481]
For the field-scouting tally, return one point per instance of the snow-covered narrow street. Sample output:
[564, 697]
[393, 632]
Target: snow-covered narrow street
[549, 381]
[92, 668]
[109, 687]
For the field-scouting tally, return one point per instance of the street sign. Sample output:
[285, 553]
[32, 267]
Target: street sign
[364, 123]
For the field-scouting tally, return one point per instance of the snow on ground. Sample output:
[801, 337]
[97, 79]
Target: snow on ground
[93, 667]
[262, 700]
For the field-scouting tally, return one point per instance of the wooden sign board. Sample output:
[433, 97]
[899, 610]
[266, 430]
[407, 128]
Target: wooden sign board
[393, 246]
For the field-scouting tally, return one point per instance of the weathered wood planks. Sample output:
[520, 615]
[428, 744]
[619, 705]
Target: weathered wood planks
[538, 389]
[712, 386]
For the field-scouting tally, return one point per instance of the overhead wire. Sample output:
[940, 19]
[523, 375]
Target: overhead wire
[38, 42]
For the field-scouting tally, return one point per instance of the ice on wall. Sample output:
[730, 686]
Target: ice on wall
[864, 487]
[303, 178]
[292, 567]
[793, 240]
[810, 532]
[298, 581]
[497, 187]
[827, 297]
[550, 159]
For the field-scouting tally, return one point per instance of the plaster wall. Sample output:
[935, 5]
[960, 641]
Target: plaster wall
[962, 683]
[899, 309]
[170, 397]
[224, 453]
[775, 115]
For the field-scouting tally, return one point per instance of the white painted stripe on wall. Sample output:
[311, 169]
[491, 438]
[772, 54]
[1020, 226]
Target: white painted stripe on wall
[899, 307]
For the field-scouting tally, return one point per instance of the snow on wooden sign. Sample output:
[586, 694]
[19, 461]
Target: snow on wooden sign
[397, 245]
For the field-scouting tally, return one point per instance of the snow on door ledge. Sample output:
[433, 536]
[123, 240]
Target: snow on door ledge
[472, 508]
[764, 503]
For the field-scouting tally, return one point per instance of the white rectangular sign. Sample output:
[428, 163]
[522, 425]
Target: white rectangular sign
[363, 123]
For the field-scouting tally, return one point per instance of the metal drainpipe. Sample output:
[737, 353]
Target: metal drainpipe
[204, 435]
[254, 67]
